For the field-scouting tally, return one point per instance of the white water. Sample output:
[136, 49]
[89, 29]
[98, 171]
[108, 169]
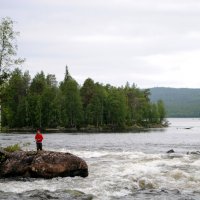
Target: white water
[122, 166]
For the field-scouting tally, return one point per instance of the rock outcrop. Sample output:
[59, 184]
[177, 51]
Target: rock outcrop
[41, 164]
[171, 151]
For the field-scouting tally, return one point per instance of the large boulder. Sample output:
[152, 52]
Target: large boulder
[41, 164]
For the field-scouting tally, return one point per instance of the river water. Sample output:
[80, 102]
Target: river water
[121, 165]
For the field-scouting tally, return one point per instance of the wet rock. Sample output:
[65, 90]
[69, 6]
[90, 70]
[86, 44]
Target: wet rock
[145, 183]
[41, 164]
[188, 127]
[171, 151]
[75, 194]
[46, 195]
[194, 152]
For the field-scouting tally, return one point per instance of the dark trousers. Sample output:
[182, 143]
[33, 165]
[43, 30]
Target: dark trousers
[39, 146]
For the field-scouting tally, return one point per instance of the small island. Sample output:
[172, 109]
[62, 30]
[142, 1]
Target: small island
[68, 107]
[27, 103]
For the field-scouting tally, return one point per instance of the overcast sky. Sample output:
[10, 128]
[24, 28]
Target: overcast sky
[147, 42]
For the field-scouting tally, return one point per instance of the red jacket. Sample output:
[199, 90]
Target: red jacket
[38, 137]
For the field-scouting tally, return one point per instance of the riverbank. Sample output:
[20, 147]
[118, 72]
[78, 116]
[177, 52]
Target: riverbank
[88, 129]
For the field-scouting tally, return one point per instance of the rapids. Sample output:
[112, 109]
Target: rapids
[121, 165]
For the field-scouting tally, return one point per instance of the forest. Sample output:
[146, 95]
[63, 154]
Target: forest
[179, 102]
[43, 102]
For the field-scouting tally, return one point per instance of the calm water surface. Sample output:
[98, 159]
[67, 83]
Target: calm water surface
[121, 165]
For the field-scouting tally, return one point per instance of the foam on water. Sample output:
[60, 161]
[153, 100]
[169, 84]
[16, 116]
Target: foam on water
[123, 166]
[118, 174]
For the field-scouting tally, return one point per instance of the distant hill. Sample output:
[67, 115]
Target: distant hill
[179, 102]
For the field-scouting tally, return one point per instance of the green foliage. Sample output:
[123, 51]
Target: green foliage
[93, 97]
[97, 105]
[8, 48]
[14, 103]
[71, 105]
[87, 93]
[40, 102]
[161, 110]
[116, 108]
[12, 148]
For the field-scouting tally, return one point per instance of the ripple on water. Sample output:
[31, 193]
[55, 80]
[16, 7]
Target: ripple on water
[121, 166]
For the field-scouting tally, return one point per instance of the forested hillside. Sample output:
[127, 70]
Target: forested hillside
[43, 102]
[179, 102]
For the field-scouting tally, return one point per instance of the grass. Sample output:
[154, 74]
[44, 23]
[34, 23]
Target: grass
[12, 148]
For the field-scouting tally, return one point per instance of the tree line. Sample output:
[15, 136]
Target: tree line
[43, 102]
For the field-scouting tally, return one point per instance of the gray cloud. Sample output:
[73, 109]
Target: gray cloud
[148, 42]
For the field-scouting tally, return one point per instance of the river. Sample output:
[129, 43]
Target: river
[121, 165]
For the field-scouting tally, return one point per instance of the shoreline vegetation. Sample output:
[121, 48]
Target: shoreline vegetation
[42, 102]
[89, 129]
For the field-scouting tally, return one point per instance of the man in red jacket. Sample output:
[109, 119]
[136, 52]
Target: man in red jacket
[38, 139]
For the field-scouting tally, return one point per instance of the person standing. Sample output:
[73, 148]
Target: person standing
[38, 140]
